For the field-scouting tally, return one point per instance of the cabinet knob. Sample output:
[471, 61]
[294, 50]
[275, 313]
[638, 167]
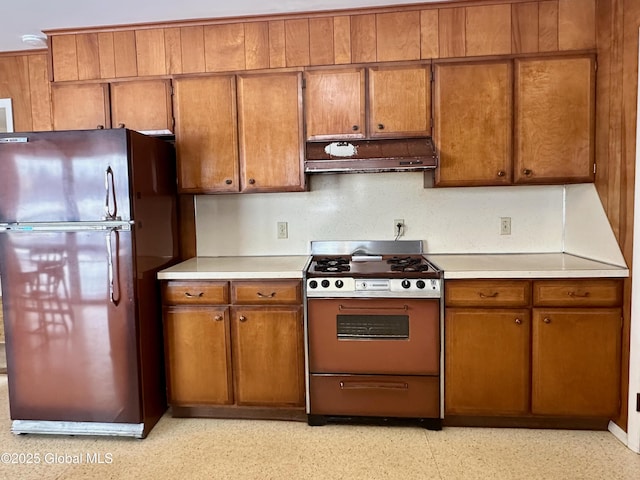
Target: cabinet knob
[355, 128]
[501, 173]
[518, 321]
[100, 127]
[242, 318]
[252, 181]
[228, 181]
[121, 125]
[546, 320]
[380, 126]
[526, 171]
[218, 318]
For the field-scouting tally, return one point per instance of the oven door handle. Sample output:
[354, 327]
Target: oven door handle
[374, 386]
[404, 307]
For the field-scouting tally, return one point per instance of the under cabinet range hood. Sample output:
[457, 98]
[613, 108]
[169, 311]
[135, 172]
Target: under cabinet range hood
[377, 155]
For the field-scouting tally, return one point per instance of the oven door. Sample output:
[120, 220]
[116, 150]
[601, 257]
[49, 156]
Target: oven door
[374, 336]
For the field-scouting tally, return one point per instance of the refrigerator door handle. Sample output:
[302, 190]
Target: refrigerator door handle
[110, 187]
[114, 282]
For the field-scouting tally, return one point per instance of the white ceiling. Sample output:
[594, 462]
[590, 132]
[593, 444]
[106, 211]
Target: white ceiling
[31, 17]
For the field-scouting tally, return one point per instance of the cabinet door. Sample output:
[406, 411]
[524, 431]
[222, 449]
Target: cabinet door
[554, 120]
[80, 106]
[198, 355]
[207, 134]
[143, 105]
[268, 356]
[335, 104]
[472, 123]
[400, 102]
[270, 132]
[487, 361]
[576, 361]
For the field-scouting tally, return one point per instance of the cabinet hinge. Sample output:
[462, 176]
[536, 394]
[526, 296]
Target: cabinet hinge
[637, 402]
[594, 168]
[304, 83]
[433, 75]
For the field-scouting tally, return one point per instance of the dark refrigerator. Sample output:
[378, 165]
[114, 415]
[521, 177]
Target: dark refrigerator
[87, 219]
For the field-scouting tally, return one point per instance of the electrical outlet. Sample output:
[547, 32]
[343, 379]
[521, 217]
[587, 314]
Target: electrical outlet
[398, 227]
[283, 230]
[505, 225]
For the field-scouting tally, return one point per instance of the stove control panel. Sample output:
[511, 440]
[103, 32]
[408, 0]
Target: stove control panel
[373, 287]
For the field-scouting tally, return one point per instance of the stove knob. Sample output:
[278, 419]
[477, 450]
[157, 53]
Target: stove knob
[325, 283]
[420, 284]
[406, 283]
[313, 284]
[339, 284]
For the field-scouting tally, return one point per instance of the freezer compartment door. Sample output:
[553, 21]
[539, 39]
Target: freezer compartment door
[68, 176]
[70, 326]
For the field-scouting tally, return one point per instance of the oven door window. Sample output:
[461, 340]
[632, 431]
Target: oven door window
[370, 326]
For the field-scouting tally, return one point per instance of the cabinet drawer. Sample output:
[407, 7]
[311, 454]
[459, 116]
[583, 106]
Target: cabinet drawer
[264, 293]
[578, 293]
[487, 293]
[195, 293]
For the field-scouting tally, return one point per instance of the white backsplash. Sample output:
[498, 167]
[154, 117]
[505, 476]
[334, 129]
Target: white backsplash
[364, 206]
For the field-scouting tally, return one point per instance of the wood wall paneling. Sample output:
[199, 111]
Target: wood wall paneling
[276, 44]
[65, 57]
[576, 24]
[14, 84]
[296, 34]
[256, 45]
[451, 30]
[150, 52]
[173, 50]
[398, 36]
[524, 27]
[363, 38]
[548, 26]
[192, 49]
[488, 30]
[107, 55]
[321, 46]
[224, 47]
[429, 46]
[39, 92]
[124, 47]
[342, 39]
[88, 56]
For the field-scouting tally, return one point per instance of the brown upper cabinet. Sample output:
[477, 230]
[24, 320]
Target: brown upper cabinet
[254, 147]
[352, 103]
[143, 105]
[472, 123]
[552, 120]
[554, 124]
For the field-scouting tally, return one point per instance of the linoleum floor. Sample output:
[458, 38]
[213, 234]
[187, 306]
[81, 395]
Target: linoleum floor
[243, 449]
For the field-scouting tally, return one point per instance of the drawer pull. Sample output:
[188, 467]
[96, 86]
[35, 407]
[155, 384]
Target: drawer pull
[518, 321]
[262, 295]
[218, 318]
[192, 295]
[578, 295]
[546, 320]
[374, 385]
[491, 295]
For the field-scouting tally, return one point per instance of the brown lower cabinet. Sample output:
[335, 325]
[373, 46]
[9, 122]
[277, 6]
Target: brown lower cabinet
[234, 348]
[532, 350]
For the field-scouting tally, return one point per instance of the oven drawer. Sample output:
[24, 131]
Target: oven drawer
[195, 293]
[375, 395]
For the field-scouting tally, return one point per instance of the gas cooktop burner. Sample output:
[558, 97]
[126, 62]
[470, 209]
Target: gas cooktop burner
[332, 264]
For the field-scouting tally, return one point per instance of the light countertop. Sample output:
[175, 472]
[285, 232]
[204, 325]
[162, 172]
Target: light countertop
[218, 268]
[523, 265]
